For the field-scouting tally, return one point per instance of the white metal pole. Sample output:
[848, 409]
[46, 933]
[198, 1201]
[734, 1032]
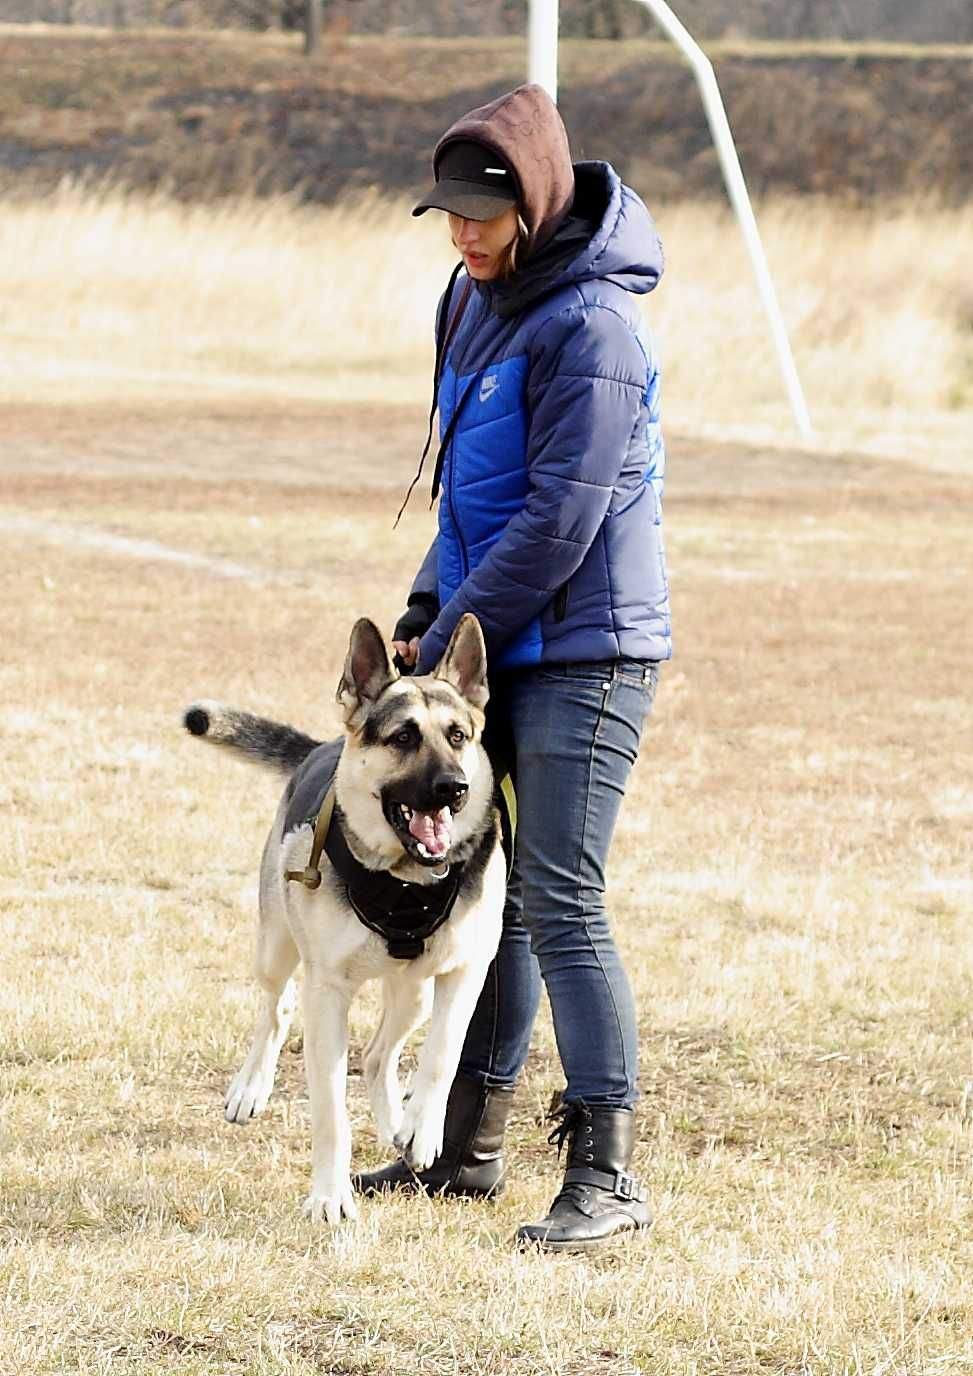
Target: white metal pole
[542, 22]
[740, 200]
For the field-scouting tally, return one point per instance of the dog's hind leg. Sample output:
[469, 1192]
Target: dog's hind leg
[275, 961]
[405, 1006]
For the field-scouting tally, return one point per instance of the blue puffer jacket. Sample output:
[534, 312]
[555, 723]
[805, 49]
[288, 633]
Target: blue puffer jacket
[551, 505]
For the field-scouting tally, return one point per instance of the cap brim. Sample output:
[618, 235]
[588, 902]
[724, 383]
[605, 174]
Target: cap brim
[472, 200]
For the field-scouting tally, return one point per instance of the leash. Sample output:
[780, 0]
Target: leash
[508, 819]
[310, 875]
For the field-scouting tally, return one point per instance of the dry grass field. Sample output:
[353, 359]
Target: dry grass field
[791, 886]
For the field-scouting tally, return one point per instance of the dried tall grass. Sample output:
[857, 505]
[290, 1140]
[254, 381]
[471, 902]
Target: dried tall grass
[109, 294]
[879, 306]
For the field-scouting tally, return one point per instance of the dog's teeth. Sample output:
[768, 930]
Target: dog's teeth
[422, 850]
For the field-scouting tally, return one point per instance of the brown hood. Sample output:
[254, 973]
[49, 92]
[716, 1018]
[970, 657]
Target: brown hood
[524, 127]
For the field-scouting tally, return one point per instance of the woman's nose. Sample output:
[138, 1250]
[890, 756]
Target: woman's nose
[469, 231]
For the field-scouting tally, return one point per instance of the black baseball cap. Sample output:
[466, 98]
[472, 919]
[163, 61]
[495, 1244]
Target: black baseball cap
[472, 181]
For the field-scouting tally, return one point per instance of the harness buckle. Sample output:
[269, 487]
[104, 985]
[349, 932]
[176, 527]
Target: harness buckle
[309, 876]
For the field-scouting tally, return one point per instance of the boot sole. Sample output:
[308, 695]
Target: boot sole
[417, 1187]
[589, 1244]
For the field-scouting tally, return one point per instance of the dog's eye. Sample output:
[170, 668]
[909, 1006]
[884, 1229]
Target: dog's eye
[403, 737]
[456, 736]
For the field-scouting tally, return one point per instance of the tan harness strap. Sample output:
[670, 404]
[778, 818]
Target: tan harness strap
[310, 875]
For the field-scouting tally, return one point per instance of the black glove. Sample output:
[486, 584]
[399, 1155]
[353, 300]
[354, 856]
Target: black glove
[421, 612]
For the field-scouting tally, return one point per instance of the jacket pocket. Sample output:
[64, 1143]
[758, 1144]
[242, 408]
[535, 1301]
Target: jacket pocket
[561, 602]
[630, 499]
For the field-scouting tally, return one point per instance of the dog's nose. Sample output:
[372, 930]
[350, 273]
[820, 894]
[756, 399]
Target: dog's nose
[449, 788]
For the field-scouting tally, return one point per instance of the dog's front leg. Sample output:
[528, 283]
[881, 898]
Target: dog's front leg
[405, 1004]
[326, 1059]
[420, 1138]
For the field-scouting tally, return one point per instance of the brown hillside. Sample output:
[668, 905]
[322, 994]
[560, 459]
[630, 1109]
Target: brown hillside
[943, 21]
[210, 114]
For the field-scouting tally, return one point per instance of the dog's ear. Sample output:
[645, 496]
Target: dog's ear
[367, 672]
[464, 664]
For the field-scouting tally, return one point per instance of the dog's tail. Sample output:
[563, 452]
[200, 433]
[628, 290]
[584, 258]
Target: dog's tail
[270, 742]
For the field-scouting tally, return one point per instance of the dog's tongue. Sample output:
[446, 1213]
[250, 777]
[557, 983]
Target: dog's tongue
[432, 829]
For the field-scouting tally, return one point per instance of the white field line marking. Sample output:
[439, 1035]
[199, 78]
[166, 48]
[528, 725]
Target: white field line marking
[147, 550]
[151, 550]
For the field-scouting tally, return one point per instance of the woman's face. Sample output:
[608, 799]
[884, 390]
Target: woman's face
[483, 243]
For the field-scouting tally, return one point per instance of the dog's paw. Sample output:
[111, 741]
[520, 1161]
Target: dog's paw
[247, 1096]
[420, 1138]
[330, 1203]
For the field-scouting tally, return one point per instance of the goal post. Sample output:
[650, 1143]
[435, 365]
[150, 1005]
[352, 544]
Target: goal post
[542, 41]
[542, 68]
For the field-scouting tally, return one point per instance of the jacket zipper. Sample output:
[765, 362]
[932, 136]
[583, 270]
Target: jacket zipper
[464, 553]
[458, 399]
[452, 511]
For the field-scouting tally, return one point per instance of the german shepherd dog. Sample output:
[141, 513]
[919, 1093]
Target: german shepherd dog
[414, 810]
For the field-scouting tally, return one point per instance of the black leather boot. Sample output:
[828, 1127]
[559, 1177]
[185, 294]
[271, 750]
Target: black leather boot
[471, 1163]
[598, 1198]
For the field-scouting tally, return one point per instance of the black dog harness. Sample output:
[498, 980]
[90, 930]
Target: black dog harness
[403, 914]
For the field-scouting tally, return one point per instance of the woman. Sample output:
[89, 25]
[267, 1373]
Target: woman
[549, 530]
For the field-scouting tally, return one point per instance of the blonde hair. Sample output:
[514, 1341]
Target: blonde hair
[515, 254]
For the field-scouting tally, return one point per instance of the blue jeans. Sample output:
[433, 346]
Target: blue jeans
[569, 734]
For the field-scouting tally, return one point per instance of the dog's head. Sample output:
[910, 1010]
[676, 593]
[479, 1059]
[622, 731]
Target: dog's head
[414, 745]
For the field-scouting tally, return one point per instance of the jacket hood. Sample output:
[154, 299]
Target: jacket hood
[524, 128]
[607, 235]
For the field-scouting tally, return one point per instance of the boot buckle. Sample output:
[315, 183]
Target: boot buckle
[628, 1188]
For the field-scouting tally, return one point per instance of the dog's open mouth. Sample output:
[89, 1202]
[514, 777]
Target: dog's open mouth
[427, 836]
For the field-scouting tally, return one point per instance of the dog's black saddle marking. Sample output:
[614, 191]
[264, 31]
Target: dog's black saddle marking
[309, 783]
[403, 914]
